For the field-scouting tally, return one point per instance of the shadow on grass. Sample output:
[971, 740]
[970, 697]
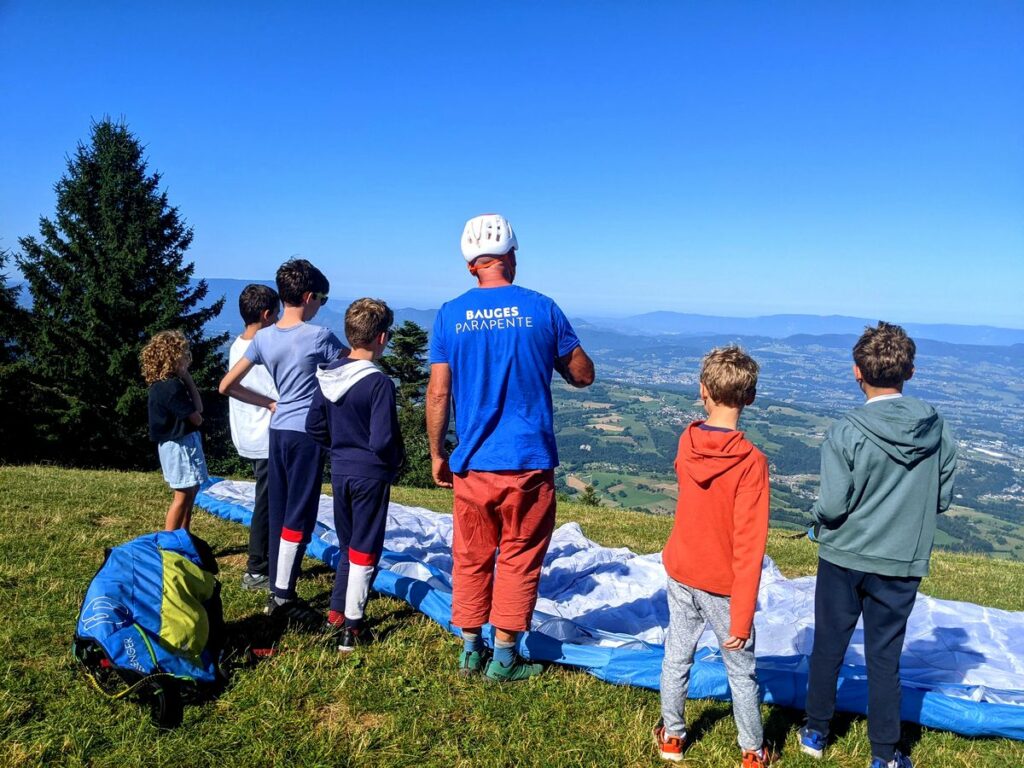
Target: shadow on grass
[782, 721]
[706, 721]
[383, 625]
[228, 551]
[317, 570]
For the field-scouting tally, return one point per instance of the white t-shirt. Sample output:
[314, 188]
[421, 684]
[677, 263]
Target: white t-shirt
[249, 423]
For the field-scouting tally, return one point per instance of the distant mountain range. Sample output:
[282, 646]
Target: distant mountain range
[663, 323]
[785, 326]
[651, 324]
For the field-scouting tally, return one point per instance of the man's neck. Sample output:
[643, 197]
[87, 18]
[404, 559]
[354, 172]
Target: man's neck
[291, 316]
[496, 281]
[497, 274]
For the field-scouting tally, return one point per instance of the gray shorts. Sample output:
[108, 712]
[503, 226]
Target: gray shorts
[183, 462]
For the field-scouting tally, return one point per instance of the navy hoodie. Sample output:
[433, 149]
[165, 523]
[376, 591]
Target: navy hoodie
[354, 414]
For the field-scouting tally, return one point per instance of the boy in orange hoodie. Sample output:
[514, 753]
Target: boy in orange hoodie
[713, 556]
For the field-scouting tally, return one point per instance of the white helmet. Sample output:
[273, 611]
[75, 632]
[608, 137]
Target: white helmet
[487, 235]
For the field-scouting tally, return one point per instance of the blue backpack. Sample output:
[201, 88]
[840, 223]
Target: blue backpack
[151, 624]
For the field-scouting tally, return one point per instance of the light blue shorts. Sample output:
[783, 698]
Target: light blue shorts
[183, 462]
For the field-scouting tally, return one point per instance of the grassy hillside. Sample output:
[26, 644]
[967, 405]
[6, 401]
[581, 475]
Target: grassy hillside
[393, 704]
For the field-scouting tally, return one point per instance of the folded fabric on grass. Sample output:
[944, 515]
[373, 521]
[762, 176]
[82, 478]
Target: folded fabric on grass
[604, 609]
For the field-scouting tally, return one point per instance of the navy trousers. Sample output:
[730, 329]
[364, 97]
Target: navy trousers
[840, 597]
[360, 519]
[296, 476]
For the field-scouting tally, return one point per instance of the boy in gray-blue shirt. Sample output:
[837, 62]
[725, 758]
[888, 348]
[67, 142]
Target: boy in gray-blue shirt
[291, 349]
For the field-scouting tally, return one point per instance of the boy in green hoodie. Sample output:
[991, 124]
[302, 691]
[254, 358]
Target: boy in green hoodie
[886, 473]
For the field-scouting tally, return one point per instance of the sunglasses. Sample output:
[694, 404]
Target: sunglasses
[321, 297]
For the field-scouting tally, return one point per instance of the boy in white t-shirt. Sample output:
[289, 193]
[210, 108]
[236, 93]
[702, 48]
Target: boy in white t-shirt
[259, 306]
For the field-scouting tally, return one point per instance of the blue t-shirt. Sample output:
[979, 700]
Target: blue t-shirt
[501, 345]
[292, 355]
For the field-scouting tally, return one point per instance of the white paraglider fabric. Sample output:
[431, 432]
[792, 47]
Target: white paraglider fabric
[612, 597]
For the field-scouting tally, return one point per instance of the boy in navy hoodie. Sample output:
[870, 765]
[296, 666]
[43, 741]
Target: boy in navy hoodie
[353, 413]
[886, 473]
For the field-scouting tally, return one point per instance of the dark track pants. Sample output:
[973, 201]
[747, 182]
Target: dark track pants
[360, 519]
[296, 474]
[259, 527]
[840, 596]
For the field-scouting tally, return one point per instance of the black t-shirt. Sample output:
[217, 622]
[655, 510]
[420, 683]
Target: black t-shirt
[170, 405]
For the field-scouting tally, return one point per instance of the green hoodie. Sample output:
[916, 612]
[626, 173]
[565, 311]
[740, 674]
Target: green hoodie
[886, 472]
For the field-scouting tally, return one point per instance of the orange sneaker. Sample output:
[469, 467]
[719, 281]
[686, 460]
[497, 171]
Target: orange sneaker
[760, 758]
[669, 747]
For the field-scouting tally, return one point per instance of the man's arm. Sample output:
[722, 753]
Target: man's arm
[439, 393]
[576, 368]
[230, 385]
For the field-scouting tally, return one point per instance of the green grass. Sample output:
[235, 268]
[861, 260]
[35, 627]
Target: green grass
[398, 703]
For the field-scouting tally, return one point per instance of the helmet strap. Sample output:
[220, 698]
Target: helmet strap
[474, 268]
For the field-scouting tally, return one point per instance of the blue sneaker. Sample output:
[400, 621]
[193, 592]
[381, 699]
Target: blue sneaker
[812, 742]
[899, 761]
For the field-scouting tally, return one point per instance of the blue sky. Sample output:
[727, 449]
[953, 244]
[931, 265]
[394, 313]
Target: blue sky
[861, 158]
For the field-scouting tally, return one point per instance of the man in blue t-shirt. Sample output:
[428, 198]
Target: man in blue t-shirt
[492, 354]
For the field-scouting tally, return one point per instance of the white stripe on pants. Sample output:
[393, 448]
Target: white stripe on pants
[357, 590]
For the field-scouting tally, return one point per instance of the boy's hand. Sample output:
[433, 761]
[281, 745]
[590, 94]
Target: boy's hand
[441, 471]
[272, 407]
[733, 643]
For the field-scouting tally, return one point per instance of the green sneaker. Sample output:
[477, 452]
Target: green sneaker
[514, 673]
[472, 663]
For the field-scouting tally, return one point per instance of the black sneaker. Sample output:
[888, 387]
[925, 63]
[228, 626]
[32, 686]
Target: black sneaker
[255, 582]
[352, 638]
[295, 613]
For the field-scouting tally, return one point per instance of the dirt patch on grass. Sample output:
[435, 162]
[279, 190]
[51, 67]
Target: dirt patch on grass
[332, 718]
[370, 720]
[574, 482]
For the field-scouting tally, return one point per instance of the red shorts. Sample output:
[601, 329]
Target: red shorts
[503, 525]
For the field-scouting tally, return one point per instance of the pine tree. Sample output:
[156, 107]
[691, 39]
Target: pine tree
[13, 318]
[407, 362]
[589, 497]
[17, 427]
[106, 274]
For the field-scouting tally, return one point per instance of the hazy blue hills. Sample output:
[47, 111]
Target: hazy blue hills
[784, 326]
[655, 328]
[660, 324]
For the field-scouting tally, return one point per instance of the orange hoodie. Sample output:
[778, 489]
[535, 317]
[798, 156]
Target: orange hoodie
[717, 543]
